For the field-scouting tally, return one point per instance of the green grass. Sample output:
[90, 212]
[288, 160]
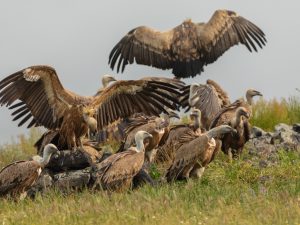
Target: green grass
[266, 114]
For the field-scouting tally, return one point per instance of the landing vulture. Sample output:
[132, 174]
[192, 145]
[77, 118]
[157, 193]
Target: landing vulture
[187, 48]
[17, 177]
[43, 99]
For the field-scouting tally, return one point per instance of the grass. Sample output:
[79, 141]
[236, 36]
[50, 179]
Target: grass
[266, 114]
[229, 193]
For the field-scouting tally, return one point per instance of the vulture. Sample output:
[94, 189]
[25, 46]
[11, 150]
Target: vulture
[237, 118]
[116, 172]
[187, 48]
[158, 127]
[195, 149]
[17, 178]
[106, 79]
[170, 141]
[210, 98]
[43, 99]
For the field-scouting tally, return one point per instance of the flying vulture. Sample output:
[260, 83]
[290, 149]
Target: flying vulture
[43, 99]
[195, 149]
[17, 177]
[117, 171]
[187, 48]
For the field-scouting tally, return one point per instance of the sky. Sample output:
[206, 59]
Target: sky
[76, 36]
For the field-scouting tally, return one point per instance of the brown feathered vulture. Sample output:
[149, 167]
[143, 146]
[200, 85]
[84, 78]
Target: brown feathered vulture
[170, 141]
[237, 117]
[44, 100]
[193, 150]
[210, 98]
[117, 171]
[187, 48]
[17, 177]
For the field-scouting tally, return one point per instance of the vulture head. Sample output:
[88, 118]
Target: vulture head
[250, 94]
[49, 150]
[139, 139]
[106, 79]
[88, 116]
[219, 131]
[194, 97]
[241, 111]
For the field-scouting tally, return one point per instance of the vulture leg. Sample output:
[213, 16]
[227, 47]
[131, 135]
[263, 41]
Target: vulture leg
[230, 155]
[197, 171]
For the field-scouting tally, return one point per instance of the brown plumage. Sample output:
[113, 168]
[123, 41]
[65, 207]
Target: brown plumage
[158, 127]
[193, 150]
[187, 48]
[237, 118]
[210, 98]
[44, 100]
[16, 178]
[117, 171]
[170, 143]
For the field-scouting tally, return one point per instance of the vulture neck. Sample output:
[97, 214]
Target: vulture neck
[214, 133]
[43, 161]
[237, 119]
[140, 144]
[249, 99]
[197, 123]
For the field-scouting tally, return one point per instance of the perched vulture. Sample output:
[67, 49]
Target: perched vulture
[237, 118]
[187, 48]
[43, 99]
[210, 98]
[170, 142]
[195, 149]
[17, 178]
[117, 171]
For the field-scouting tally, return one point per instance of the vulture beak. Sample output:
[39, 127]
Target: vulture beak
[233, 132]
[258, 93]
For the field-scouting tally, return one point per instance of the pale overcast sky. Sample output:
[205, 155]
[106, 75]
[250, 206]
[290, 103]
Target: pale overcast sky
[76, 36]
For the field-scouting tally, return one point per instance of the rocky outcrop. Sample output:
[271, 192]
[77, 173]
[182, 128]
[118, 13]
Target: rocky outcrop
[264, 145]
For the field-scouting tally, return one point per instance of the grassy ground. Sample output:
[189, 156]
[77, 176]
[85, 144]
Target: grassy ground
[229, 193]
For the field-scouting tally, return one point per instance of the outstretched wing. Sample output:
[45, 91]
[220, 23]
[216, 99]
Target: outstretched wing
[125, 98]
[226, 29]
[41, 96]
[144, 45]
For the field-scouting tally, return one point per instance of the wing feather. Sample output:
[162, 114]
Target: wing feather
[40, 90]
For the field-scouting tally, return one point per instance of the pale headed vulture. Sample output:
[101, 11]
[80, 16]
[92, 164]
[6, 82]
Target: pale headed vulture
[187, 48]
[44, 100]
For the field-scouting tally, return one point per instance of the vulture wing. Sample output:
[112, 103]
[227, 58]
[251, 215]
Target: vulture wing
[41, 95]
[144, 45]
[18, 176]
[224, 30]
[125, 98]
[188, 47]
[120, 167]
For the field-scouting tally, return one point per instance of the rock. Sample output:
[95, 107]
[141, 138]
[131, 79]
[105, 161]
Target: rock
[257, 132]
[285, 137]
[72, 180]
[296, 127]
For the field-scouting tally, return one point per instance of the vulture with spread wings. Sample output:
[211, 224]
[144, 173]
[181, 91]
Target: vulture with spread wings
[43, 99]
[187, 48]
